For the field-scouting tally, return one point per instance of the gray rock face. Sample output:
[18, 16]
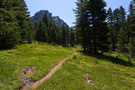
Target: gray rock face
[38, 16]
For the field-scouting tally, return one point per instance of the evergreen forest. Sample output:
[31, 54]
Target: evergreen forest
[100, 30]
[97, 53]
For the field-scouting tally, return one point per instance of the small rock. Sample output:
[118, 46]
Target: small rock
[89, 81]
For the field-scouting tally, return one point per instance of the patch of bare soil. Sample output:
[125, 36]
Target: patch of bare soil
[28, 70]
[88, 79]
[26, 82]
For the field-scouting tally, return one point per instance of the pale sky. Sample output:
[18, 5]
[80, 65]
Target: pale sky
[64, 8]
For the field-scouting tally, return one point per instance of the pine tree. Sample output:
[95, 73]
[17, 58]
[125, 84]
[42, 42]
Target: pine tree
[131, 25]
[23, 17]
[53, 34]
[64, 36]
[72, 38]
[67, 35]
[82, 23]
[122, 33]
[91, 24]
[99, 26]
[47, 22]
[122, 40]
[116, 21]
[59, 35]
[110, 18]
[31, 32]
[41, 33]
[132, 47]
[112, 32]
[122, 16]
[9, 28]
[116, 16]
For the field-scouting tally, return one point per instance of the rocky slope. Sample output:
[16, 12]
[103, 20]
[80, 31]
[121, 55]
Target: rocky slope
[56, 19]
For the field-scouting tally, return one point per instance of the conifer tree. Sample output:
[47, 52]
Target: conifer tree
[63, 36]
[72, 38]
[23, 17]
[9, 28]
[82, 23]
[59, 35]
[122, 40]
[131, 25]
[122, 33]
[91, 24]
[53, 33]
[112, 32]
[48, 23]
[41, 33]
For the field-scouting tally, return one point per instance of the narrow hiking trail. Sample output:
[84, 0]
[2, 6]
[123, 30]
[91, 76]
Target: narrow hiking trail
[34, 85]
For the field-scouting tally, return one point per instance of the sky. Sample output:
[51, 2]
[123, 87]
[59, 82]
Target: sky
[64, 8]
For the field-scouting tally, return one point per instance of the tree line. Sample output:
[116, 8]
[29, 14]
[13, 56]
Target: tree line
[16, 27]
[100, 30]
[122, 30]
[15, 23]
[47, 31]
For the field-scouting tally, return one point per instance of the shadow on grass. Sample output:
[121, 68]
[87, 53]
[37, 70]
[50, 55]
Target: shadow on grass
[109, 58]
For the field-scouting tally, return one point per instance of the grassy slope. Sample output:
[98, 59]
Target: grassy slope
[43, 56]
[107, 73]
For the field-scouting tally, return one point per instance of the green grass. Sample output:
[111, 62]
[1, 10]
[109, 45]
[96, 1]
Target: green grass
[43, 56]
[107, 73]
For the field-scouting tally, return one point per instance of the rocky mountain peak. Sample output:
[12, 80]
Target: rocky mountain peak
[56, 19]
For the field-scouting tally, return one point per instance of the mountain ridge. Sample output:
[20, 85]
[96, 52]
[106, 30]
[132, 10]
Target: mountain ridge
[56, 19]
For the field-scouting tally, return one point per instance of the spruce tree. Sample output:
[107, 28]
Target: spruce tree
[82, 23]
[59, 36]
[41, 33]
[48, 24]
[112, 32]
[23, 17]
[132, 47]
[72, 38]
[122, 40]
[123, 32]
[9, 28]
[53, 34]
[64, 36]
[91, 24]
[131, 25]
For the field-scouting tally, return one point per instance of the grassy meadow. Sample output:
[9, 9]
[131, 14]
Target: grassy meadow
[107, 72]
[43, 56]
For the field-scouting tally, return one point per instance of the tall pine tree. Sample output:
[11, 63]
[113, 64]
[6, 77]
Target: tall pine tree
[9, 28]
[91, 24]
[131, 24]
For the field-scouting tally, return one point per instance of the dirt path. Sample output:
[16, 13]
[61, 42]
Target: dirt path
[34, 85]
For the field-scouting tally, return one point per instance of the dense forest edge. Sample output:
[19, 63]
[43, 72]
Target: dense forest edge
[98, 30]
